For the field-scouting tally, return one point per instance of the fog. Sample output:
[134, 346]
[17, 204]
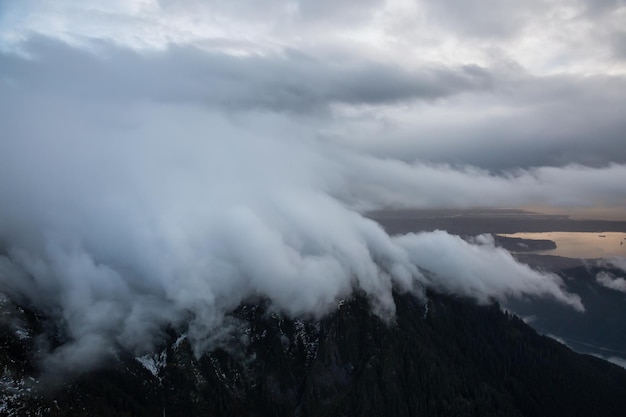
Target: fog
[122, 217]
[163, 162]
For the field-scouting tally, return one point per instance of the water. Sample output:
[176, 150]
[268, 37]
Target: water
[580, 244]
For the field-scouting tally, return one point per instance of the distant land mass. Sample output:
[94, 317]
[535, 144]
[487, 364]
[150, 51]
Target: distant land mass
[466, 222]
[514, 244]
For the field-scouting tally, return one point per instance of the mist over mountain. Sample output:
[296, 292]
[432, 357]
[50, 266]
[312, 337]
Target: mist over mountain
[124, 213]
[164, 163]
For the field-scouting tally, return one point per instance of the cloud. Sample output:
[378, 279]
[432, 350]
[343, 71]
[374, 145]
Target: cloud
[302, 9]
[291, 81]
[388, 183]
[490, 18]
[125, 211]
[171, 160]
[522, 121]
[618, 44]
[597, 7]
[618, 262]
[473, 269]
[608, 280]
[617, 361]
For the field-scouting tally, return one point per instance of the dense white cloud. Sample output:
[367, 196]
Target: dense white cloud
[610, 281]
[177, 158]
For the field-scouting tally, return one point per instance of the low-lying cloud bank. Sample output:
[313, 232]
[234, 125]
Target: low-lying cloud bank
[609, 280]
[121, 214]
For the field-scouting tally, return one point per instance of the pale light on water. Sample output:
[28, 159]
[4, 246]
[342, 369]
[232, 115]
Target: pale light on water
[580, 244]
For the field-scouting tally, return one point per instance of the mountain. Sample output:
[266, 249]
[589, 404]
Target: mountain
[443, 357]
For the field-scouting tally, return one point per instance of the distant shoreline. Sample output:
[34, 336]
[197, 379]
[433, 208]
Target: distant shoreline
[471, 222]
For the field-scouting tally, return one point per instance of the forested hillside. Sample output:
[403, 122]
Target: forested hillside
[448, 357]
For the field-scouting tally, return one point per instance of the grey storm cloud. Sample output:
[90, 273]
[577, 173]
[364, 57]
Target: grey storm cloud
[303, 11]
[618, 44]
[517, 120]
[598, 7]
[525, 122]
[487, 18]
[291, 81]
[129, 204]
[504, 19]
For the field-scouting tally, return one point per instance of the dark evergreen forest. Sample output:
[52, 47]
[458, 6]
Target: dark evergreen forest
[448, 357]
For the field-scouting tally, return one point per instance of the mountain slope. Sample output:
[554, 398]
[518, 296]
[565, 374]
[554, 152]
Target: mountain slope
[448, 357]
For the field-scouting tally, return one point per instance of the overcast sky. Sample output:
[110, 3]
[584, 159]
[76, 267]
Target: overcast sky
[163, 161]
[493, 83]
